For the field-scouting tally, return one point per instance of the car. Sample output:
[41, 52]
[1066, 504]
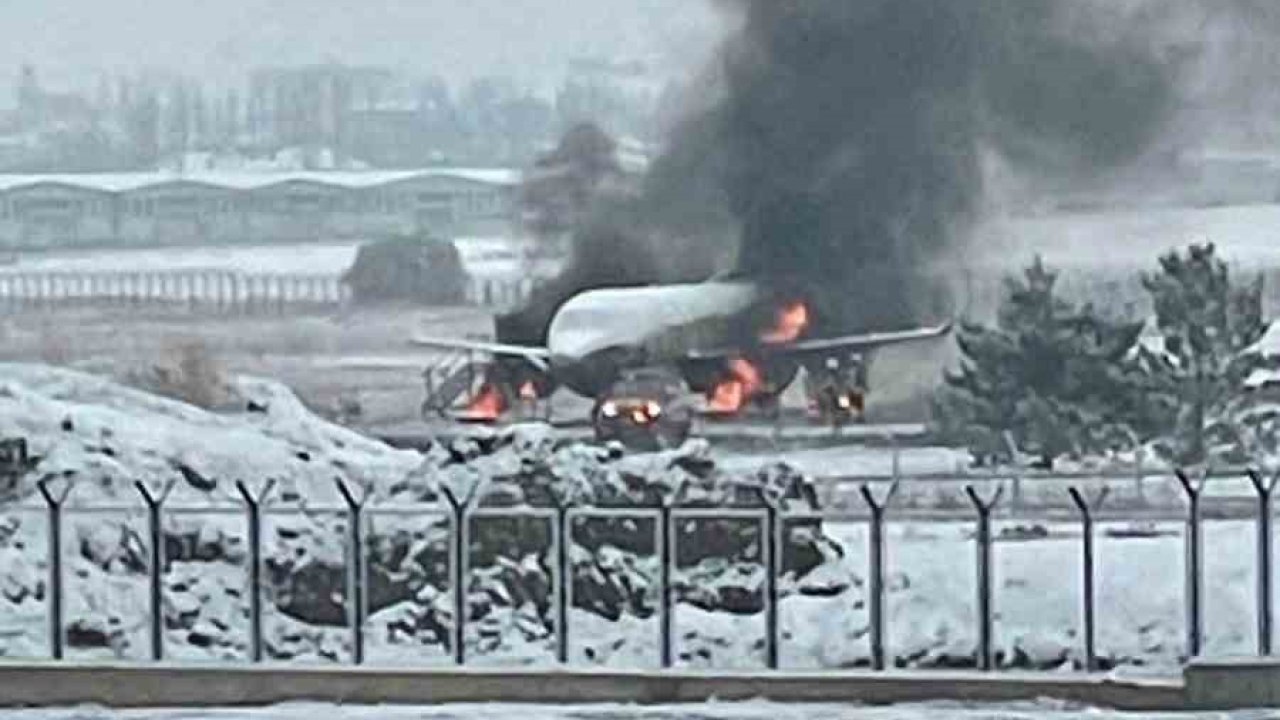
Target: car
[647, 408]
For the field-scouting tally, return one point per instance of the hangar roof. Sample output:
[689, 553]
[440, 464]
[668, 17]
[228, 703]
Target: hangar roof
[352, 180]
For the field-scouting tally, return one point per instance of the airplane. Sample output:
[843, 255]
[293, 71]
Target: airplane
[735, 342]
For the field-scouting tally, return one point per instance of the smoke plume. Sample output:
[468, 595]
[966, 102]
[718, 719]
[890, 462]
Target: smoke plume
[853, 131]
[842, 148]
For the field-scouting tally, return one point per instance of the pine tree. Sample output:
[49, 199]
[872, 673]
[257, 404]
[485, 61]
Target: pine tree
[1205, 324]
[1049, 373]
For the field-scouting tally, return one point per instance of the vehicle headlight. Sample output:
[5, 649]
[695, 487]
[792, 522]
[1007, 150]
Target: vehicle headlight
[609, 409]
[653, 409]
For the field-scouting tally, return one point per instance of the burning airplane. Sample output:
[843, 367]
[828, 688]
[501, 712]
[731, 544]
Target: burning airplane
[736, 343]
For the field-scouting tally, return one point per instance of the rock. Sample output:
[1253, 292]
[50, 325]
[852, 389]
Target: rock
[195, 479]
[1038, 653]
[111, 547]
[828, 580]
[90, 633]
[182, 609]
[204, 635]
[19, 577]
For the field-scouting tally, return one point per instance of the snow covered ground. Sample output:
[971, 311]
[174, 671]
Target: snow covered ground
[756, 710]
[108, 436]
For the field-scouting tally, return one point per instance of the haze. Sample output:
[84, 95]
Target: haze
[73, 42]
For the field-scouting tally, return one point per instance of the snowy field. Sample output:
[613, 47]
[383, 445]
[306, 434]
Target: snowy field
[706, 711]
[323, 357]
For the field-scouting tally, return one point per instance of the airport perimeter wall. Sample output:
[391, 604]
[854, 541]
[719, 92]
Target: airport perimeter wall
[1208, 685]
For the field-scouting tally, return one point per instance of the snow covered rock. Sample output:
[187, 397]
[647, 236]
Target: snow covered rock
[106, 436]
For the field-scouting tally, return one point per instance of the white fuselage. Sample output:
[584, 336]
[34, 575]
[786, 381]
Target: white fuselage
[642, 317]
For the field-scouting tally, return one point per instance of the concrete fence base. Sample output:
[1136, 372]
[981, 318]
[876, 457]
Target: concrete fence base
[1228, 683]
[121, 686]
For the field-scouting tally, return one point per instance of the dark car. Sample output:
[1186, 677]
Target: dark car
[649, 409]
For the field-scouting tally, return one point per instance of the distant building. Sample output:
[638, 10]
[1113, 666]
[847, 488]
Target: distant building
[38, 109]
[308, 106]
[130, 209]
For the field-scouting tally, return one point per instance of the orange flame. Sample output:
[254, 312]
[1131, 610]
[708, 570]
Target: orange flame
[488, 404]
[730, 395]
[789, 323]
[528, 391]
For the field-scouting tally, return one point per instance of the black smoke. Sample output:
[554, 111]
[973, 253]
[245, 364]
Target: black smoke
[841, 148]
[853, 131]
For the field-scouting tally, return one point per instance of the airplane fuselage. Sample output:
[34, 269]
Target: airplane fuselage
[598, 333]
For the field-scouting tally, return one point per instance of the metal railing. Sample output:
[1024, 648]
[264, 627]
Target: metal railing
[195, 289]
[771, 516]
[211, 290]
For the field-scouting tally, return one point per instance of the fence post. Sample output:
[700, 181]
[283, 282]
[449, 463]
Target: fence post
[984, 507]
[769, 552]
[253, 507]
[355, 569]
[156, 562]
[1194, 560]
[876, 570]
[458, 565]
[561, 538]
[1089, 597]
[54, 501]
[666, 557]
[1264, 489]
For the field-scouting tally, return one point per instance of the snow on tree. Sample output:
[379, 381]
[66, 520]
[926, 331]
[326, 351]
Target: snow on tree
[1194, 381]
[1254, 418]
[1050, 374]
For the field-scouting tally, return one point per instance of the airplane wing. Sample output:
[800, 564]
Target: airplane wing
[537, 356]
[845, 343]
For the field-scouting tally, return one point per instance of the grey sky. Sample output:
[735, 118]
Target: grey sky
[72, 40]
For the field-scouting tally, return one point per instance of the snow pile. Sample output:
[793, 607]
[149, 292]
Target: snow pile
[106, 435]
